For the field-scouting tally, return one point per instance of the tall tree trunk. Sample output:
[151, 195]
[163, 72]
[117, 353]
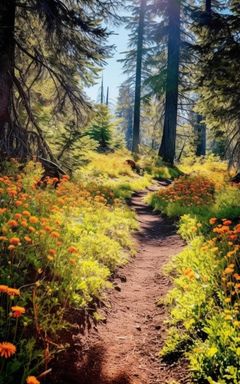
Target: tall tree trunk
[208, 6]
[7, 53]
[129, 132]
[201, 127]
[201, 137]
[107, 97]
[168, 144]
[137, 102]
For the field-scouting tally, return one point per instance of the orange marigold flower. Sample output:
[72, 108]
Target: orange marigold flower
[65, 177]
[237, 228]
[18, 216]
[14, 241]
[47, 228]
[24, 223]
[3, 288]
[26, 213]
[18, 203]
[13, 223]
[32, 380]
[227, 222]
[72, 249]
[3, 210]
[228, 270]
[33, 220]
[17, 311]
[28, 239]
[13, 292]
[52, 252]
[7, 349]
[55, 234]
[31, 229]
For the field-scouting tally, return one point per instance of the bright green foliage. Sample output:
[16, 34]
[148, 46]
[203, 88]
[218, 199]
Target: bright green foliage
[204, 301]
[103, 129]
[59, 246]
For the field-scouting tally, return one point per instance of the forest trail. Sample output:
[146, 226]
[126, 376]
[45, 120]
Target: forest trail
[123, 350]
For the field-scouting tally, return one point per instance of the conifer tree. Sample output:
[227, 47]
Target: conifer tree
[60, 40]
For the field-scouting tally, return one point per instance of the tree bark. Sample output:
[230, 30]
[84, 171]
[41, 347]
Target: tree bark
[137, 102]
[7, 53]
[201, 127]
[168, 145]
[208, 6]
[201, 137]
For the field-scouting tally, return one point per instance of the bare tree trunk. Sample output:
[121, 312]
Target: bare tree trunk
[208, 6]
[137, 103]
[201, 137]
[129, 132]
[7, 48]
[201, 127]
[168, 145]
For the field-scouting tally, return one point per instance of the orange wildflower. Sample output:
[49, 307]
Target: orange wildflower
[227, 222]
[3, 238]
[13, 292]
[28, 239]
[33, 220]
[52, 251]
[3, 288]
[55, 234]
[26, 213]
[32, 380]
[24, 223]
[18, 216]
[213, 220]
[17, 311]
[13, 223]
[31, 229]
[2, 210]
[7, 349]
[72, 249]
[14, 241]
[18, 203]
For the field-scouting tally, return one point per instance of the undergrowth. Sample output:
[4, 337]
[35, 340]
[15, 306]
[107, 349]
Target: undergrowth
[60, 242]
[204, 302]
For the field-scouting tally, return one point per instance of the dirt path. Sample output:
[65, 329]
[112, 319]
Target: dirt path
[123, 350]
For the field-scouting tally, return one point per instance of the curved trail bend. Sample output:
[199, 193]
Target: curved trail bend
[124, 349]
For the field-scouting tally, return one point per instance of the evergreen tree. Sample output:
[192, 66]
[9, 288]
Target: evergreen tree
[59, 40]
[104, 129]
[124, 111]
[218, 46]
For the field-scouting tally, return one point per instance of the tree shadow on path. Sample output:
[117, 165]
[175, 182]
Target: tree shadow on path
[89, 371]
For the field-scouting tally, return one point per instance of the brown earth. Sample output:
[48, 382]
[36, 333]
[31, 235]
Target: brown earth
[124, 348]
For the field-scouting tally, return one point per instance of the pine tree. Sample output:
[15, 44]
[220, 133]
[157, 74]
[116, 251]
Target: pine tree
[124, 111]
[218, 47]
[62, 41]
